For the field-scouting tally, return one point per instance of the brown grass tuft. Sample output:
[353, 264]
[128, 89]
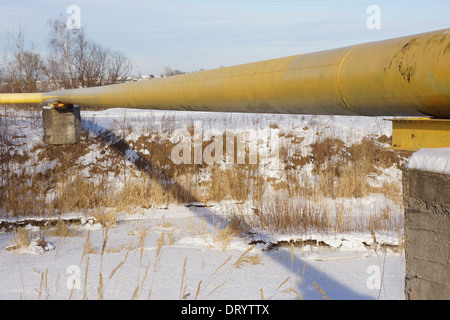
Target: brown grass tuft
[21, 239]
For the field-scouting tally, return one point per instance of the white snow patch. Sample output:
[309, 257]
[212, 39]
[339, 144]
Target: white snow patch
[431, 159]
[37, 246]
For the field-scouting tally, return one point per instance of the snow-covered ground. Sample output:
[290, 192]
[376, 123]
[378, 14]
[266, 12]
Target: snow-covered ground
[193, 264]
[177, 252]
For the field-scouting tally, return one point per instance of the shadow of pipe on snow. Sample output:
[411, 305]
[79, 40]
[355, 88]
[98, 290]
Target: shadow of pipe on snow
[331, 287]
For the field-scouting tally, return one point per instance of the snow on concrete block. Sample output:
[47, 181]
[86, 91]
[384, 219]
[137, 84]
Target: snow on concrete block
[431, 159]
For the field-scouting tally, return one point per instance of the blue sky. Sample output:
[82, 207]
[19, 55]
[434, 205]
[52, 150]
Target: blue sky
[192, 34]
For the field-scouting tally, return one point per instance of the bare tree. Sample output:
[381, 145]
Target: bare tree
[99, 64]
[169, 72]
[73, 61]
[119, 67]
[13, 60]
[86, 60]
[62, 42]
[92, 64]
[32, 71]
[2, 77]
[23, 67]
[77, 61]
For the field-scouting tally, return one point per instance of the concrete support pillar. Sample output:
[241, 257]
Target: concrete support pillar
[427, 228]
[61, 125]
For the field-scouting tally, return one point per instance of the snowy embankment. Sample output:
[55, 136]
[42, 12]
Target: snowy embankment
[185, 251]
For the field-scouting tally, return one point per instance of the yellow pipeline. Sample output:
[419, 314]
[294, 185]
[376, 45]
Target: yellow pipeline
[22, 98]
[407, 76]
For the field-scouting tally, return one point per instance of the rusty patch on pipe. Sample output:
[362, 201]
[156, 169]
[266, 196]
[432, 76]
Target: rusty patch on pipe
[406, 70]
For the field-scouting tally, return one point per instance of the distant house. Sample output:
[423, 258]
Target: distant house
[148, 77]
[131, 78]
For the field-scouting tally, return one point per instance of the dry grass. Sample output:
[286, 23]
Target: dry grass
[152, 180]
[342, 170]
[324, 296]
[281, 214]
[21, 239]
[239, 183]
[22, 194]
[106, 217]
[62, 229]
[290, 215]
[79, 193]
[147, 193]
[225, 235]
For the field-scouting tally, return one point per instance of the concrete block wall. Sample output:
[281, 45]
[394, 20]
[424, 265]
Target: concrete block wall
[427, 234]
[61, 125]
